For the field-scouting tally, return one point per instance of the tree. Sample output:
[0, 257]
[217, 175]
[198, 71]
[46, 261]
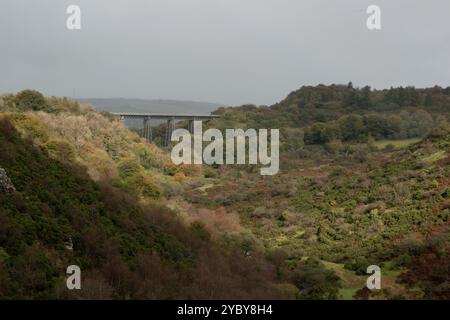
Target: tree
[364, 100]
[315, 282]
[31, 100]
[402, 97]
[357, 98]
[376, 125]
[428, 100]
[352, 128]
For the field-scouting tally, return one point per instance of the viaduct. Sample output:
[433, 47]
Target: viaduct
[170, 118]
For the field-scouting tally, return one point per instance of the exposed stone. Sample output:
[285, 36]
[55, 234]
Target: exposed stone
[5, 182]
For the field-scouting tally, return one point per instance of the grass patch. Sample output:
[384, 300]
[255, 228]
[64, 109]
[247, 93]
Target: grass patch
[435, 156]
[347, 293]
[398, 144]
[204, 189]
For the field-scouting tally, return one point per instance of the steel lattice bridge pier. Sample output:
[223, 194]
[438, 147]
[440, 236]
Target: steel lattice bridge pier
[170, 118]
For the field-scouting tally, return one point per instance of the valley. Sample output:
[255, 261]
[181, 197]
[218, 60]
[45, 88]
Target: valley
[363, 180]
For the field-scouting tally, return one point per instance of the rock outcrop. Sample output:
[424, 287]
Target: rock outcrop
[5, 182]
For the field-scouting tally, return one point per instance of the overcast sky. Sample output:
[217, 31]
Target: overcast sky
[225, 51]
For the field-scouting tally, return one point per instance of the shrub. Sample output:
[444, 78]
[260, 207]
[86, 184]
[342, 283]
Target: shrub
[99, 164]
[335, 146]
[29, 125]
[150, 190]
[60, 149]
[170, 169]
[359, 265]
[146, 158]
[179, 177]
[200, 231]
[7, 102]
[4, 257]
[129, 167]
[210, 173]
[315, 282]
[31, 100]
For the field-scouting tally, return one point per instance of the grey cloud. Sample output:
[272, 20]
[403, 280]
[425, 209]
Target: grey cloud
[228, 51]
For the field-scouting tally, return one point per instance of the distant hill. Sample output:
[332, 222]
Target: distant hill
[157, 106]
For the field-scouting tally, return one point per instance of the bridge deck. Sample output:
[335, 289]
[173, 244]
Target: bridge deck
[166, 116]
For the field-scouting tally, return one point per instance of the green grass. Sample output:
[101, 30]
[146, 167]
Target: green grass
[204, 189]
[352, 282]
[347, 293]
[398, 144]
[435, 156]
[349, 278]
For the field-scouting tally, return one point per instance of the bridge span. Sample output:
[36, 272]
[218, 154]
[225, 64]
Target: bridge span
[170, 118]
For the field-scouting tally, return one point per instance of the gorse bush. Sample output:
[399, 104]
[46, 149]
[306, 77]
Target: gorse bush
[60, 149]
[30, 126]
[129, 167]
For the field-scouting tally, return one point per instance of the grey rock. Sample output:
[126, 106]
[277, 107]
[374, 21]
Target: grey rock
[5, 182]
